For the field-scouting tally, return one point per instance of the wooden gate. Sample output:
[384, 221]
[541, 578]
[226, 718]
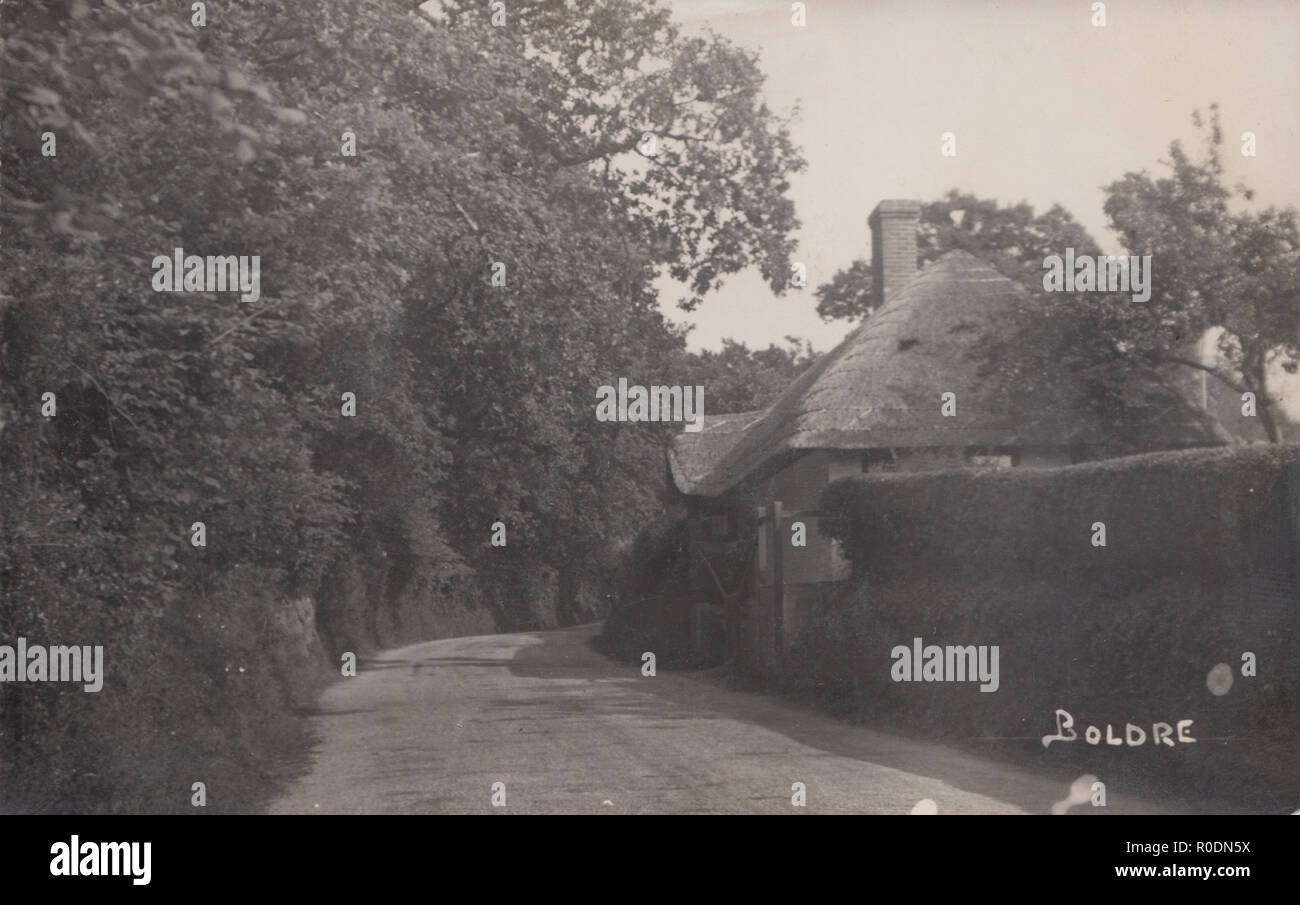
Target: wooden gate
[774, 522]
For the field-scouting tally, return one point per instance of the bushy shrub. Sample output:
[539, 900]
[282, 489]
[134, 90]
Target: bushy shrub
[1201, 564]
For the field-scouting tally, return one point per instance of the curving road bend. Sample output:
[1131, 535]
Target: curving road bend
[431, 727]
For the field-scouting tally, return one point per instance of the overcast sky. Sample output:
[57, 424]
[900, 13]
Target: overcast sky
[1045, 107]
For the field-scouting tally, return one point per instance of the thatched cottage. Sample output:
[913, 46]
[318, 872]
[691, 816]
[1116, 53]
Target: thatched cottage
[875, 402]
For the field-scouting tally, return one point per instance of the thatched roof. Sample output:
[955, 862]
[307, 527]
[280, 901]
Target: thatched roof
[881, 387]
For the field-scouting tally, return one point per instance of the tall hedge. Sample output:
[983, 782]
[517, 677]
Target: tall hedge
[1201, 565]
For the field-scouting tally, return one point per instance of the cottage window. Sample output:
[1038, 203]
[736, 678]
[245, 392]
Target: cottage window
[987, 457]
[879, 460]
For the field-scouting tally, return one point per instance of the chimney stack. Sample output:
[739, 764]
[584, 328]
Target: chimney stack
[893, 247]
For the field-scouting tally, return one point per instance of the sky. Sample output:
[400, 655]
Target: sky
[1045, 106]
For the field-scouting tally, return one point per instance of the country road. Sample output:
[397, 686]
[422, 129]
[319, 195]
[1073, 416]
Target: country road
[431, 727]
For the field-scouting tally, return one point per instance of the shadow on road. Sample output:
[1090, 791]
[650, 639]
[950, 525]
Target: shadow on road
[567, 654]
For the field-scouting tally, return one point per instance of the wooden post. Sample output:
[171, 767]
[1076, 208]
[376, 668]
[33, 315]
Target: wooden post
[1291, 506]
[697, 628]
[778, 582]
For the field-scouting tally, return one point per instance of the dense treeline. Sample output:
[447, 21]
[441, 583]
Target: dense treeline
[475, 145]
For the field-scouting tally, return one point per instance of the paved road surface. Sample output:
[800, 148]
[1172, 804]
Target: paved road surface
[429, 729]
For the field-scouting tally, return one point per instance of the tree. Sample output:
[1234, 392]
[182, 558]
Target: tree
[847, 295]
[696, 163]
[743, 380]
[474, 401]
[1214, 269]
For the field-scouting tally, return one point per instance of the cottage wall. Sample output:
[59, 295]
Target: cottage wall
[807, 569]
[1045, 456]
[799, 487]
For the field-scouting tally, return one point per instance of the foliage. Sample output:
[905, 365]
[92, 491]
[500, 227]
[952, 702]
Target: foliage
[707, 198]
[474, 402]
[739, 379]
[1199, 560]
[1215, 267]
[1013, 239]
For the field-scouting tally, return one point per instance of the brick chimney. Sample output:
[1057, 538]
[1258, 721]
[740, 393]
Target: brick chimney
[893, 247]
